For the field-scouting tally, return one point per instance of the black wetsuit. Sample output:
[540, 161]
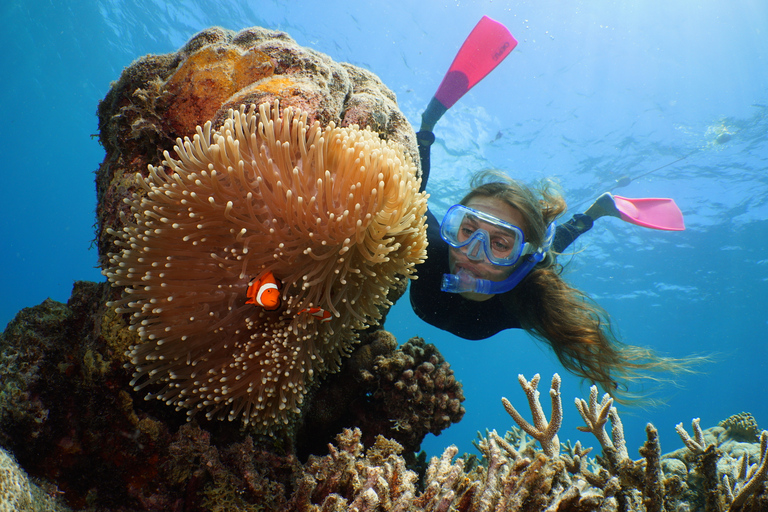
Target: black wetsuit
[451, 312]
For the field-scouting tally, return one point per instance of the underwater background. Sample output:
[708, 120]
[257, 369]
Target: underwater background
[594, 92]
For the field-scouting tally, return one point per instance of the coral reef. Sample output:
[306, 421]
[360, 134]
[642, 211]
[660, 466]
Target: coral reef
[160, 98]
[334, 214]
[401, 394]
[70, 417]
[515, 476]
[341, 234]
[18, 494]
[545, 432]
[99, 449]
[88, 441]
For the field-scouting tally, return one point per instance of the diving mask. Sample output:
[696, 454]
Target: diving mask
[484, 236]
[480, 238]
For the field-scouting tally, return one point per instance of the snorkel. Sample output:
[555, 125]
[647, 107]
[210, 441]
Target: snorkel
[465, 282]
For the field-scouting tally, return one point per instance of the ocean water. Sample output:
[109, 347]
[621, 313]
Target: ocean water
[595, 91]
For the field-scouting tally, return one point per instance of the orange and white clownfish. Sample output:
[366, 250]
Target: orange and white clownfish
[264, 291]
[320, 313]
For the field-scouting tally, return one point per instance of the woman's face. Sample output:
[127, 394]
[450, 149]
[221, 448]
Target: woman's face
[458, 260]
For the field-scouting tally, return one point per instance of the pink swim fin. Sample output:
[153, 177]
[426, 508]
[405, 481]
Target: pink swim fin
[655, 213]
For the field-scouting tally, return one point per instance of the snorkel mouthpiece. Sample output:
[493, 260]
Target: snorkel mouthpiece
[463, 282]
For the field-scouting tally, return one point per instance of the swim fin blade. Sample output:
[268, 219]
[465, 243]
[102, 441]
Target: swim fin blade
[655, 213]
[487, 45]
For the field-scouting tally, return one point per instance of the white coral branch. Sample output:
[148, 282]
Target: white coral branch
[695, 445]
[617, 434]
[545, 432]
[759, 474]
[595, 417]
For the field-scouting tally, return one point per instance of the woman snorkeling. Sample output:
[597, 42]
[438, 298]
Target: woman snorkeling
[492, 265]
[492, 262]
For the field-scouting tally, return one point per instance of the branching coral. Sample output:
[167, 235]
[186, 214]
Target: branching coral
[348, 479]
[334, 213]
[508, 480]
[751, 479]
[654, 482]
[615, 448]
[696, 444]
[545, 432]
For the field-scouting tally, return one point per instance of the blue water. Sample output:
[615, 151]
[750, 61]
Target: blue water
[595, 91]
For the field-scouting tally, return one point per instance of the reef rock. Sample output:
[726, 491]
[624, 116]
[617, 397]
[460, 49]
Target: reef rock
[68, 412]
[160, 98]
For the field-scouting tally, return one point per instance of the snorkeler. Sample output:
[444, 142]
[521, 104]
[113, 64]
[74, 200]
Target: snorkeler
[492, 262]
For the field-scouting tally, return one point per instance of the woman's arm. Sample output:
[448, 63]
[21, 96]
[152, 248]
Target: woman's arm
[424, 138]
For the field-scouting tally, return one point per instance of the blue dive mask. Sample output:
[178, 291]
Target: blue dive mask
[466, 282]
[484, 236]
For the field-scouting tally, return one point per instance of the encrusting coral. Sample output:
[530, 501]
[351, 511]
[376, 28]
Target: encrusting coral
[335, 214]
[18, 494]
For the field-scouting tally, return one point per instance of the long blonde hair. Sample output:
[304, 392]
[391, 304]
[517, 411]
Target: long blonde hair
[577, 329]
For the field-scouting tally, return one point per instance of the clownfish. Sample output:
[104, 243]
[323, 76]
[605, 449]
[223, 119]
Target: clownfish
[320, 313]
[264, 291]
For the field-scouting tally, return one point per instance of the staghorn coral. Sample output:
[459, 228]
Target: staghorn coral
[721, 469]
[696, 444]
[545, 432]
[350, 479]
[615, 447]
[516, 478]
[750, 479]
[334, 213]
[654, 481]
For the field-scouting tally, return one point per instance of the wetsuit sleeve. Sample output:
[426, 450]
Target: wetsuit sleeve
[567, 233]
[425, 139]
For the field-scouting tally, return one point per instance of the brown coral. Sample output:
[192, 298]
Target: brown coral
[742, 426]
[349, 478]
[334, 213]
[420, 391]
[402, 393]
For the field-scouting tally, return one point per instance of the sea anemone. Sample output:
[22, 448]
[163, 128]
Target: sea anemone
[334, 213]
